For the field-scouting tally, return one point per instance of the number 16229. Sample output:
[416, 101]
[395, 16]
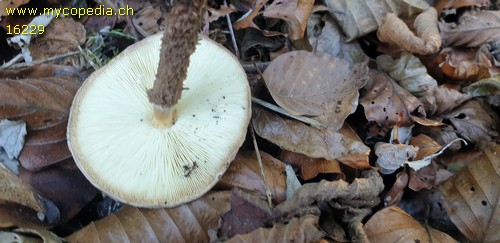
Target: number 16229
[25, 29]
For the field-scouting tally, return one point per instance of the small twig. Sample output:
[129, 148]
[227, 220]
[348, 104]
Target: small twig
[233, 38]
[255, 67]
[282, 111]
[12, 61]
[259, 159]
[49, 59]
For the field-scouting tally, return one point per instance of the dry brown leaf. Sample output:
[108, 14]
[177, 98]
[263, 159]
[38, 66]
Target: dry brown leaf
[472, 30]
[246, 20]
[394, 31]
[473, 197]
[303, 229]
[215, 14]
[392, 224]
[64, 185]
[191, 222]
[442, 135]
[456, 4]
[360, 17]
[148, 20]
[474, 121]
[442, 99]
[392, 156]
[408, 72]
[294, 12]
[467, 64]
[43, 104]
[298, 137]
[10, 4]
[386, 103]
[484, 87]
[326, 36]
[310, 167]
[61, 36]
[461, 159]
[21, 205]
[426, 145]
[395, 195]
[320, 86]
[244, 173]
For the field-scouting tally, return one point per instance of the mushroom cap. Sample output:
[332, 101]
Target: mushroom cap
[116, 146]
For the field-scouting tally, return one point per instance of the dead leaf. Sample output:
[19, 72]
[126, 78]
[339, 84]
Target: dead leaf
[298, 137]
[21, 205]
[320, 86]
[392, 224]
[64, 185]
[456, 161]
[303, 229]
[467, 64]
[442, 99]
[473, 196]
[426, 145]
[442, 135]
[190, 222]
[215, 14]
[395, 194]
[408, 72]
[44, 105]
[246, 20]
[310, 167]
[29, 235]
[359, 17]
[61, 36]
[326, 36]
[10, 4]
[148, 20]
[392, 156]
[484, 87]
[292, 182]
[473, 29]
[456, 4]
[428, 40]
[244, 173]
[386, 103]
[474, 121]
[294, 12]
[12, 137]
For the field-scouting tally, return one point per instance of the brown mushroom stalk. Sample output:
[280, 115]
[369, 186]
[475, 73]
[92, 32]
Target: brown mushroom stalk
[182, 21]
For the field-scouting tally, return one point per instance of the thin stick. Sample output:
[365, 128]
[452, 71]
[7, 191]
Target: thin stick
[12, 61]
[282, 111]
[259, 159]
[233, 39]
[50, 59]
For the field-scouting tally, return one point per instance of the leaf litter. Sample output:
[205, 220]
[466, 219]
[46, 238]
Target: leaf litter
[358, 93]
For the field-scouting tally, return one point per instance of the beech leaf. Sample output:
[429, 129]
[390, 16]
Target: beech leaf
[310, 167]
[467, 64]
[393, 156]
[398, 226]
[298, 137]
[408, 72]
[320, 86]
[190, 222]
[442, 99]
[294, 12]
[473, 29]
[472, 197]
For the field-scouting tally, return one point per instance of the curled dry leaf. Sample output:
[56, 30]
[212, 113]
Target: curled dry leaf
[386, 103]
[428, 177]
[63, 35]
[191, 222]
[298, 137]
[394, 31]
[408, 72]
[393, 156]
[246, 20]
[43, 104]
[484, 87]
[473, 197]
[395, 195]
[474, 121]
[215, 14]
[21, 205]
[442, 135]
[442, 99]
[392, 224]
[467, 64]
[426, 145]
[360, 17]
[310, 167]
[320, 86]
[473, 29]
[294, 12]
[303, 229]
[327, 37]
[244, 173]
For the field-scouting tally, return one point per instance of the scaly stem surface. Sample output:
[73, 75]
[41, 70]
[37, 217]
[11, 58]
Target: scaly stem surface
[182, 20]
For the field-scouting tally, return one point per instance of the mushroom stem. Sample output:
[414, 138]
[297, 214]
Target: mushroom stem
[182, 20]
[163, 117]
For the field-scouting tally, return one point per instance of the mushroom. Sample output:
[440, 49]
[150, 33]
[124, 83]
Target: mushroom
[149, 154]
